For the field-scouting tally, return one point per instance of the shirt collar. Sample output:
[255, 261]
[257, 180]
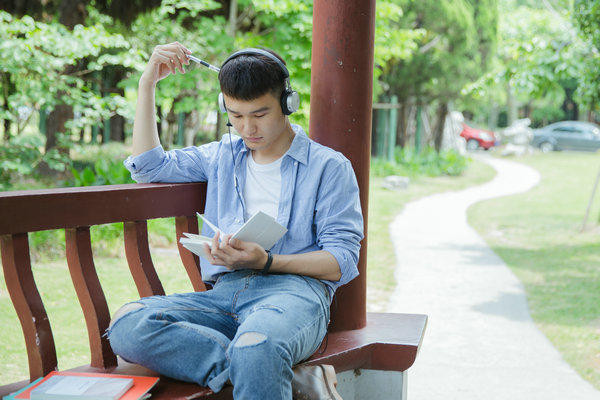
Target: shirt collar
[299, 148]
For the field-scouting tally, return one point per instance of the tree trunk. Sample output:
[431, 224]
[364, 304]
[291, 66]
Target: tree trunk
[72, 13]
[402, 124]
[171, 121]
[221, 126]
[111, 76]
[6, 130]
[8, 88]
[56, 124]
[438, 132]
[191, 124]
[117, 128]
[511, 105]
[493, 117]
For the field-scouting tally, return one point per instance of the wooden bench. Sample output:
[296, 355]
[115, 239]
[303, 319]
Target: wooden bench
[365, 359]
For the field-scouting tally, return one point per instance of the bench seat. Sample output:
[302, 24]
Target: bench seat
[388, 342]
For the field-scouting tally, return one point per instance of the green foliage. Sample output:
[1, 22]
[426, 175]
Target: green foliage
[38, 66]
[455, 44]
[99, 165]
[542, 57]
[546, 114]
[428, 162]
[587, 17]
[47, 245]
[105, 172]
[21, 156]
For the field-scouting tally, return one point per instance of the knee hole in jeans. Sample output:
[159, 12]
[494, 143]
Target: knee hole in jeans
[124, 310]
[250, 339]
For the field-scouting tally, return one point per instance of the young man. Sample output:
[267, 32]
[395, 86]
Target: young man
[267, 310]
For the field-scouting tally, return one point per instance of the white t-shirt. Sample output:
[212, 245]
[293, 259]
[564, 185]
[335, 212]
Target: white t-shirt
[262, 188]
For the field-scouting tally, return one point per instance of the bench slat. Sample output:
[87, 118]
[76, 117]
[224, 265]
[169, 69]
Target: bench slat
[139, 259]
[28, 304]
[90, 294]
[191, 262]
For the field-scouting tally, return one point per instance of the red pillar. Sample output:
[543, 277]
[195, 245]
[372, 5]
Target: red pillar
[340, 114]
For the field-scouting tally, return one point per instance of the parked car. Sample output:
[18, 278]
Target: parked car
[478, 138]
[567, 135]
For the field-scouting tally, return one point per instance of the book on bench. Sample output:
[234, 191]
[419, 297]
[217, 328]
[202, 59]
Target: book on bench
[88, 386]
[261, 228]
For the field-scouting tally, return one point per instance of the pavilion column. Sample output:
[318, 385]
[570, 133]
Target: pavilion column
[340, 114]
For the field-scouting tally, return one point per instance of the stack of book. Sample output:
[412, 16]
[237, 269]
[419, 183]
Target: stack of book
[86, 386]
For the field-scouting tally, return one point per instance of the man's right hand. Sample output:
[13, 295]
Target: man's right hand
[166, 59]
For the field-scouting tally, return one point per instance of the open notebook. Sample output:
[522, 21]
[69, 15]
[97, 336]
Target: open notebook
[261, 228]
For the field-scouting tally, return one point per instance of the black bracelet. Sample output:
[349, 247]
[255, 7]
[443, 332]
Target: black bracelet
[265, 269]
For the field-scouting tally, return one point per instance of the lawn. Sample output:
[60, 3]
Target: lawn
[538, 236]
[59, 297]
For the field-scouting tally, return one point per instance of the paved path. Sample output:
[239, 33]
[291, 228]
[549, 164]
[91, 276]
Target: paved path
[481, 342]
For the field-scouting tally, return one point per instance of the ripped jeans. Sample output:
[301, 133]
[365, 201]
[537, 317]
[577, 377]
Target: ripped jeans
[250, 329]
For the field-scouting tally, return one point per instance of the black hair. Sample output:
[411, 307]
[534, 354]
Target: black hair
[250, 76]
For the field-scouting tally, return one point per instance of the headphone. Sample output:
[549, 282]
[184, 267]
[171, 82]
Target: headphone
[290, 100]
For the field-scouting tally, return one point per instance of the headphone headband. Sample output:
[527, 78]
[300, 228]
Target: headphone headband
[258, 52]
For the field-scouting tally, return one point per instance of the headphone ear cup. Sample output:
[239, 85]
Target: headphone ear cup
[290, 101]
[221, 101]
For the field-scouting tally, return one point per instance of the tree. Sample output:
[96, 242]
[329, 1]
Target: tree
[34, 57]
[539, 64]
[586, 15]
[100, 79]
[456, 44]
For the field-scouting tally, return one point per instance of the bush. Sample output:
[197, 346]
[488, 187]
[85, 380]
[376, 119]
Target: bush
[428, 162]
[100, 165]
[104, 172]
[21, 156]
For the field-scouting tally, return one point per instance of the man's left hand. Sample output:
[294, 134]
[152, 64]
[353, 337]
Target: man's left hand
[235, 253]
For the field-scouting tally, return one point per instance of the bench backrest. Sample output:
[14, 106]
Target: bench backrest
[75, 210]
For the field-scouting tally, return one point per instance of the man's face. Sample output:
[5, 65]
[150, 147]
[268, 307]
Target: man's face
[261, 123]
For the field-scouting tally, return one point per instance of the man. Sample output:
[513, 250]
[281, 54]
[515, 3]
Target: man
[267, 310]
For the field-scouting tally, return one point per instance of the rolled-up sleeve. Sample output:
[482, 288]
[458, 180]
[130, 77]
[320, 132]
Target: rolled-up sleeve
[339, 219]
[180, 165]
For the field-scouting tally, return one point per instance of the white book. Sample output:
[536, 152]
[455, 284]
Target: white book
[66, 387]
[261, 228]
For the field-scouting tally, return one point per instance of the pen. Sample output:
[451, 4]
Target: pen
[199, 61]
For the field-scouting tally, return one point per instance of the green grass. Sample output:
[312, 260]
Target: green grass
[384, 205]
[66, 317]
[538, 235]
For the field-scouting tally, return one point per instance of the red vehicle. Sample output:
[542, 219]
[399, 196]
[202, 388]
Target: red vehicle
[478, 138]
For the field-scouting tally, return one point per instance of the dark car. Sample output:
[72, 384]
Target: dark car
[478, 138]
[567, 135]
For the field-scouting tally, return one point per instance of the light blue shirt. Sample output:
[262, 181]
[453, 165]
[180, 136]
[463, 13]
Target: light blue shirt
[319, 202]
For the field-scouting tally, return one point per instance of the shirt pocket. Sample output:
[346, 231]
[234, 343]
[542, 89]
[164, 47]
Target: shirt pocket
[302, 229]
